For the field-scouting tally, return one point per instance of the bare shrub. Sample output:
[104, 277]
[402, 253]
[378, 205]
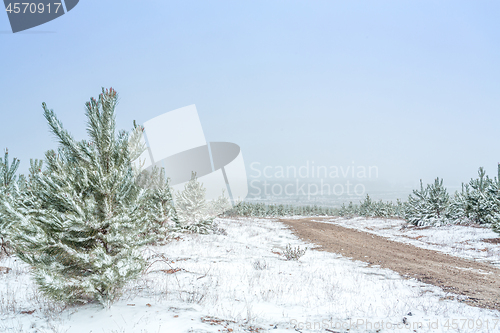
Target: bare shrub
[260, 265]
[292, 253]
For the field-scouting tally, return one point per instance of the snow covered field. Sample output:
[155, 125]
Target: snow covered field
[240, 282]
[464, 241]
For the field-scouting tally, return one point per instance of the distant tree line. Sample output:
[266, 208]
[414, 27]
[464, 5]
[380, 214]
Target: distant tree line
[478, 202]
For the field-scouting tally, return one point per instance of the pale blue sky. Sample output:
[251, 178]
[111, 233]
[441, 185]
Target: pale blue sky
[412, 87]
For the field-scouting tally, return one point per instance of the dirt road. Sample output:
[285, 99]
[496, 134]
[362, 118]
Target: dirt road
[480, 282]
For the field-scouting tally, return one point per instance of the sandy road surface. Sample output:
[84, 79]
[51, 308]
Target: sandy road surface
[480, 282]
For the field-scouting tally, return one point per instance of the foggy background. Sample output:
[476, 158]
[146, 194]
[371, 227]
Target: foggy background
[409, 87]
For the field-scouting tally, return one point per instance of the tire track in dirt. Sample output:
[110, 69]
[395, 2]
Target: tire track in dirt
[480, 282]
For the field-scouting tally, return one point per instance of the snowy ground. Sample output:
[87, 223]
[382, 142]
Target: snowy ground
[464, 241]
[241, 283]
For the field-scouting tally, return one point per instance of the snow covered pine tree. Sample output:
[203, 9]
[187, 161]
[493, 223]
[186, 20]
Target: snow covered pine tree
[480, 199]
[428, 206]
[192, 208]
[195, 214]
[7, 180]
[82, 220]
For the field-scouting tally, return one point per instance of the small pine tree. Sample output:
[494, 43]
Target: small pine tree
[400, 208]
[218, 206]
[380, 209]
[261, 210]
[7, 181]
[439, 199]
[457, 212]
[366, 207]
[155, 181]
[428, 206]
[82, 220]
[351, 209]
[280, 210]
[494, 195]
[343, 210]
[192, 208]
[272, 210]
[480, 205]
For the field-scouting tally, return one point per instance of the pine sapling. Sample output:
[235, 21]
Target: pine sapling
[83, 219]
[7, 182]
